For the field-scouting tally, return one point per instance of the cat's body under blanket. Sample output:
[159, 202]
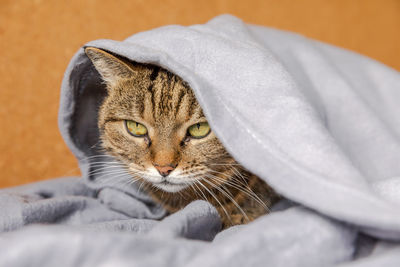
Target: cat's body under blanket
[320, 125]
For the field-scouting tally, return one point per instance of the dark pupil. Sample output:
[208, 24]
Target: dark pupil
[198, 126]
[137, 124]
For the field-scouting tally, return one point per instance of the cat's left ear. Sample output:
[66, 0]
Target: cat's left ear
[109, 66]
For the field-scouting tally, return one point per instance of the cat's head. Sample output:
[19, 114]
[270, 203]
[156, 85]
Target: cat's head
[152, 122]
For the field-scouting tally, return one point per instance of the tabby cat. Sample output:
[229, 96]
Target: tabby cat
[151, 122]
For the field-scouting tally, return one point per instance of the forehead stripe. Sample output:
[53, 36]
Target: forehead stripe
[154, 74]
[179, 101]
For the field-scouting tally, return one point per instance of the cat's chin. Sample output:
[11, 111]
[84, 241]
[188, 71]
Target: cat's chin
[170, 187]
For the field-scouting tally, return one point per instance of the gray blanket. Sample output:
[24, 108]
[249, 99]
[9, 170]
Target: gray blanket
[320, 124]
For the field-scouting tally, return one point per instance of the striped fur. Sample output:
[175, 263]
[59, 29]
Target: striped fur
[167, 106]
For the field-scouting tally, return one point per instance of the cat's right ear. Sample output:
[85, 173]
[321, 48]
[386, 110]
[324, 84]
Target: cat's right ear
[110, 67]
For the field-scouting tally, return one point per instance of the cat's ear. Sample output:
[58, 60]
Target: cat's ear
[110, 67]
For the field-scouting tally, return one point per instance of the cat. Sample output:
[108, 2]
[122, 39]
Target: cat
[152, 123]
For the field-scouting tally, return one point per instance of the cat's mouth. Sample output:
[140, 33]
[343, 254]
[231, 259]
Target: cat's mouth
[170, 187]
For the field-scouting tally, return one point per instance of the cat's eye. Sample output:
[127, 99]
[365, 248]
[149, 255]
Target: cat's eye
[135, 128]
[199, 130]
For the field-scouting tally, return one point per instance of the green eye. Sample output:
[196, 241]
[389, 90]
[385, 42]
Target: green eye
[135, 128]
[199, 130]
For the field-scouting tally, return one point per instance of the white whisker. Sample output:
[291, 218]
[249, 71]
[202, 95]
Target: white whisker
[228, 196]
[215, 197]
[247, 190]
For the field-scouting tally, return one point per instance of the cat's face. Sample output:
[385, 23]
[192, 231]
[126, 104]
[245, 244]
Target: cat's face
[151, 122]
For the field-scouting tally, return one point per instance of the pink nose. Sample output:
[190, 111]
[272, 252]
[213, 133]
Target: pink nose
[165, 170]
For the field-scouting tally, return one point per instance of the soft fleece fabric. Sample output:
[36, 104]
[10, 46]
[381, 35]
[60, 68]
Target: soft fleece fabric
[320, 124]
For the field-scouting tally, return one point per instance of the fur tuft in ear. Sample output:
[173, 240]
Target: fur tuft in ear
[110, 67]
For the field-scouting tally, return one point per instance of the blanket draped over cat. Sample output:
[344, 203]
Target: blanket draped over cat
[320, 124]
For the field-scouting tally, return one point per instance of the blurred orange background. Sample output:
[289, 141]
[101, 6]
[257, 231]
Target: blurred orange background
[38, 38]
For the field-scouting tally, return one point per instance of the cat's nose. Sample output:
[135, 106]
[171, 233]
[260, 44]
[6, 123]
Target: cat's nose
[165, 170]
